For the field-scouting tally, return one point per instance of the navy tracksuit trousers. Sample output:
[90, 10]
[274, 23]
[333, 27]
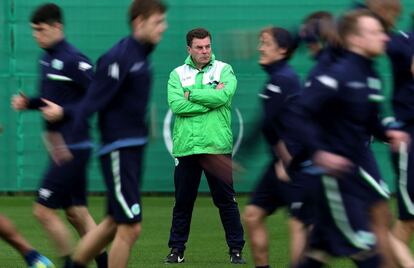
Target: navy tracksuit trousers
[187, 179]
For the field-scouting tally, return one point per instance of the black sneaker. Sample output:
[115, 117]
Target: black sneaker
[236, 256]
[175, 256]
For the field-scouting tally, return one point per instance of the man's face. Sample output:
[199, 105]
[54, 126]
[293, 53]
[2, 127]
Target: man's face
[371, 37]
[152, 28]
[269, 49]
[200, 51]
[46, 35]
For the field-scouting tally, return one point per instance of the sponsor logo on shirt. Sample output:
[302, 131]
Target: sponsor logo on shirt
[57, 64]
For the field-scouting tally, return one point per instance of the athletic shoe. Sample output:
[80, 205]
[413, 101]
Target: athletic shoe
[42, 262]
[236, 256]
[175, 256]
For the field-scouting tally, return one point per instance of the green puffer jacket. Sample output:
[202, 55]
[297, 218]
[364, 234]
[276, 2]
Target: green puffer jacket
[202, 123]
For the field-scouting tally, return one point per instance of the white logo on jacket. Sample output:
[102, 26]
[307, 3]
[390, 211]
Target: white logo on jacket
[188, 74]
[113, 71]
[57, 64]
[83, 66]
[136, 67]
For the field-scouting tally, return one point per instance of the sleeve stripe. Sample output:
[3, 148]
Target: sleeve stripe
[57, 77]
[328, 81]
[274, 88]
[263, 96]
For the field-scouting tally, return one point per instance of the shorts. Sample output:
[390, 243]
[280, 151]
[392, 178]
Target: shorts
[65, 185]
[122, 172]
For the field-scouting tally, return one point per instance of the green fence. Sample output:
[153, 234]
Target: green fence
[94, 25]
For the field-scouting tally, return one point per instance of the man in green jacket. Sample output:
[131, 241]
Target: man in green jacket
[200, 94]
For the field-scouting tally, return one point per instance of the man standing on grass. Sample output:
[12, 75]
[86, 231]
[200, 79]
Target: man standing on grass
[200, 94]
[119, 92]
[65, 76]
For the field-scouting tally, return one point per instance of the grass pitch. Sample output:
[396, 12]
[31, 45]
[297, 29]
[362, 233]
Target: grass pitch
[206, 247]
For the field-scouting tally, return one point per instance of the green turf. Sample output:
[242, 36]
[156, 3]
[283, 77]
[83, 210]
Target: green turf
[205, 248]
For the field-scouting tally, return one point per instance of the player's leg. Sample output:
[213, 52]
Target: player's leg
[57, 192]
[9, 233]
[55, 228]
[312, 261]
[125, 238]
[187, 176]
[80, 218]
[254, 219]
[381, 222]
[82, 221]
[404, 165]
[223, 195]
[93, 242]
[304, 187]
[297, 233]
[380, 213]
[124, 202]
[263, 203]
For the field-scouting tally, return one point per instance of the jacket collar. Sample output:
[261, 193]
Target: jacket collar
[189, 61]
[359, 59]
[57, 46]
[274, 66]
[147, 48]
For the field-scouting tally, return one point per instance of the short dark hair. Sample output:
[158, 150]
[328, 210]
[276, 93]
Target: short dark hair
[348, 23]
[145, 8]
[47, 13]
[319, 27]
[199, 33]
[283, 38]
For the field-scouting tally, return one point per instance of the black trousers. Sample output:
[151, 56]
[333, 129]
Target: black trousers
[187, 178]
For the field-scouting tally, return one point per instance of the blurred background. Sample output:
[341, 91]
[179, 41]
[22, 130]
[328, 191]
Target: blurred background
[95, 25]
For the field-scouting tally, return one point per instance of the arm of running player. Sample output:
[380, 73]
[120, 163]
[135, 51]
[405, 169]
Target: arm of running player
[216, 97]
[275, 96]
[390, 134]
[177, 101]
[81, 72]
[21, 102]
[109, 76]
[301, 121]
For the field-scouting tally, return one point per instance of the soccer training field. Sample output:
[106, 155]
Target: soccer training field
[205, 248]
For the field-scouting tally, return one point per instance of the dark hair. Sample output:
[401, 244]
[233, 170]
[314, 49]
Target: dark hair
[199, 33]
[47, 13]
[348, 23]
[283, 38]
[145, 8]
[319, 27]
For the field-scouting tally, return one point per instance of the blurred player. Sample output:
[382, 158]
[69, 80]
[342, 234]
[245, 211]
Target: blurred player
[119, 92]
[400, 50]
[337, 110]
[274, 190]
[319, 34]
[33, 258]
[200, 93]
[65, 77]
